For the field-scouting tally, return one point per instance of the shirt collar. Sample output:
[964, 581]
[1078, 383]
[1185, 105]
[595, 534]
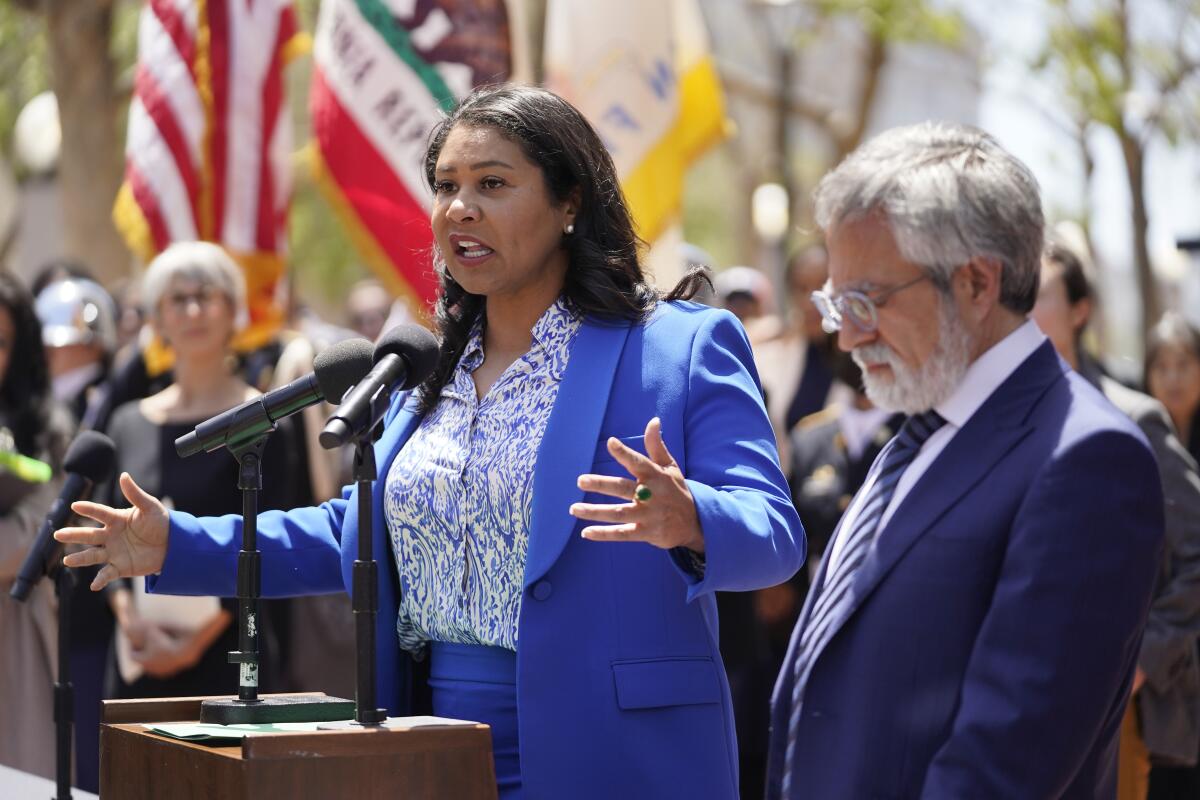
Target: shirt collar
[988, 371]
[555, 326]
[551, 334]
[472, 355]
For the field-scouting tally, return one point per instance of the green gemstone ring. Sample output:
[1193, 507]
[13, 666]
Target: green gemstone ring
[642, 493]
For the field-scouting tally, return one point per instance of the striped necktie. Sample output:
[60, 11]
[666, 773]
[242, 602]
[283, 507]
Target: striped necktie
[835, 597]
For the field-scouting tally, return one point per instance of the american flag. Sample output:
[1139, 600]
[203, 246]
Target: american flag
[209, 141]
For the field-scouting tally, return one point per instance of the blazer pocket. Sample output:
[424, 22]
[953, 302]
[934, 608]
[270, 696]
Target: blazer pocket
[663, 682]
[602, 455]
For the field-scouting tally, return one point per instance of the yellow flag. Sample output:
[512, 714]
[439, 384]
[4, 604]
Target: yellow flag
[643, 75]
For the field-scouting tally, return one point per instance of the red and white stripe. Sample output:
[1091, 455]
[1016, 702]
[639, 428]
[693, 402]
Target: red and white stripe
[218, 171]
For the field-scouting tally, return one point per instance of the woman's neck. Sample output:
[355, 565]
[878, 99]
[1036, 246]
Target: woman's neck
[203, 383]
[509, 326]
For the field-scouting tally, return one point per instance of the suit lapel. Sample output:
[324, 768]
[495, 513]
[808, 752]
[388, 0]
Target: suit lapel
[569, 442]
[990, 434]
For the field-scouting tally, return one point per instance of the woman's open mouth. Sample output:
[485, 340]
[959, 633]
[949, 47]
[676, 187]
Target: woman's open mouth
[469, 249]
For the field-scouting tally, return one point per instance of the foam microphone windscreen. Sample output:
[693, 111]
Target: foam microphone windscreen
[340, 366]
[92, 455]
[416, 345]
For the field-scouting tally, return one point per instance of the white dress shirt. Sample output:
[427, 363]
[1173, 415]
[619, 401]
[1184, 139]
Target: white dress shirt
[982, 378]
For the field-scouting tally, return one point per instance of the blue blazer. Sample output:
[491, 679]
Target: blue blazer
[997, 617]
[620, 687]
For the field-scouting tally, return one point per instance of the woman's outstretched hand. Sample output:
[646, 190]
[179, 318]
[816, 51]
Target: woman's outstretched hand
[130, 542]
[659, 507]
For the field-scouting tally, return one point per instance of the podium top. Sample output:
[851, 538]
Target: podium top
[422, 763]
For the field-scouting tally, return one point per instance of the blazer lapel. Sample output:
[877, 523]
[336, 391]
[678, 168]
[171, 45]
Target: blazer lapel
[990, 434]
[569, 442]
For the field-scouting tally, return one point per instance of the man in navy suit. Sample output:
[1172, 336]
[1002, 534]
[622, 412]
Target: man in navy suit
[973, 629]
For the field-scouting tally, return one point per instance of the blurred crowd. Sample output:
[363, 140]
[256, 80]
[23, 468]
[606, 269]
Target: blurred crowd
[72, 357]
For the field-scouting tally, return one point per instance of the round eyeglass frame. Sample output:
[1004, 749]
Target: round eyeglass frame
[859, 307]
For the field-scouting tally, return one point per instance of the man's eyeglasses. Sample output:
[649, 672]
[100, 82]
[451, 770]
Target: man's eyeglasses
[858, 307]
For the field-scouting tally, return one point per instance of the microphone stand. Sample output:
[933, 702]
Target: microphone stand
[248, 707]
[64, 690]
[365, 593]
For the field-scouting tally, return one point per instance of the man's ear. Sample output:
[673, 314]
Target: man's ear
[979, 280]
[1081, 312]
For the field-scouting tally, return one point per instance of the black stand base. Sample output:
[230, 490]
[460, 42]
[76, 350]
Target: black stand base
[266, 710]
[379, 720]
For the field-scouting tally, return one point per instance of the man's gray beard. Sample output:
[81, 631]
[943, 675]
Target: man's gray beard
[912, 391]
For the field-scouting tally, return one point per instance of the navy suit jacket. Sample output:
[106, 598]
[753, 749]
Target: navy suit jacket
[620, 687]
[998, 614]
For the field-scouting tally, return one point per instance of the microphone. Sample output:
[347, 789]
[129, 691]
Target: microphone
[404, 358]
[90, 460]
[335, 370]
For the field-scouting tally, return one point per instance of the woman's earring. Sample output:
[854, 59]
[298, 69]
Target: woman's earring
[569, 229]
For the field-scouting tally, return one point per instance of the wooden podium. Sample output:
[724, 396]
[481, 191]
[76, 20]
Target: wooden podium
[136, 764]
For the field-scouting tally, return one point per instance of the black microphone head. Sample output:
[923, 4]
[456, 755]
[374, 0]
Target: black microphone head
[92, 455]
[416, 345]
[340, 366]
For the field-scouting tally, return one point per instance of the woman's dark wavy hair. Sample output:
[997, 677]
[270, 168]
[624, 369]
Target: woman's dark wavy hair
[25, 384]
[604, 276]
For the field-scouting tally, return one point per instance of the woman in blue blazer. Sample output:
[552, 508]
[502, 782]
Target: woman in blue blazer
[587, 465]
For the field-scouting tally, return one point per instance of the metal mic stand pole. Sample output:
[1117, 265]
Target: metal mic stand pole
[248, 707]
[365, 592]
[64, 691]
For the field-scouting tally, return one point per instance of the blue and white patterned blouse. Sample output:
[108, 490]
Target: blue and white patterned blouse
[458, 498]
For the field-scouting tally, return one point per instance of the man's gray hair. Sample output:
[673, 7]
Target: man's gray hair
[950, 193]
[203, 262]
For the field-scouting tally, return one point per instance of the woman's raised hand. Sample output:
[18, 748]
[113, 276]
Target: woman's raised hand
[129, 542]
[659, 507]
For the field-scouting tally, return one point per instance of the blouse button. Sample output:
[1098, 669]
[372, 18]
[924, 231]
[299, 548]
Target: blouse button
[542, 590]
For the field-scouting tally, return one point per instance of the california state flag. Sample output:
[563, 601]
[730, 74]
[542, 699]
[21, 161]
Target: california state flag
[642, 73]
[386, 72]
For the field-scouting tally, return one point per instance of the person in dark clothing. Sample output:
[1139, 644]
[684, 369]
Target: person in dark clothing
[1172, 376]
[831, 451]
[195, 299]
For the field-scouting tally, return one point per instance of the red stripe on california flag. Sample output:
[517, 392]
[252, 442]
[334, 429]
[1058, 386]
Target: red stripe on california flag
[272, 100]
[173, 22]
[218, 58]
[397, 222]
[159, 111]
[148, 203]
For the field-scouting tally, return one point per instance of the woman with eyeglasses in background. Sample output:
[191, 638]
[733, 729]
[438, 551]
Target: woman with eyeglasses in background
[194, 297]
[1172, 374]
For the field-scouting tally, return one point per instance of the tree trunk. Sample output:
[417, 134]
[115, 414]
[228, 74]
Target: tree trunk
[91, 164]
[848, 140]
[1135, 163]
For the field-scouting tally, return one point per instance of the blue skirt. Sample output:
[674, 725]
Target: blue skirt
[479, 683]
